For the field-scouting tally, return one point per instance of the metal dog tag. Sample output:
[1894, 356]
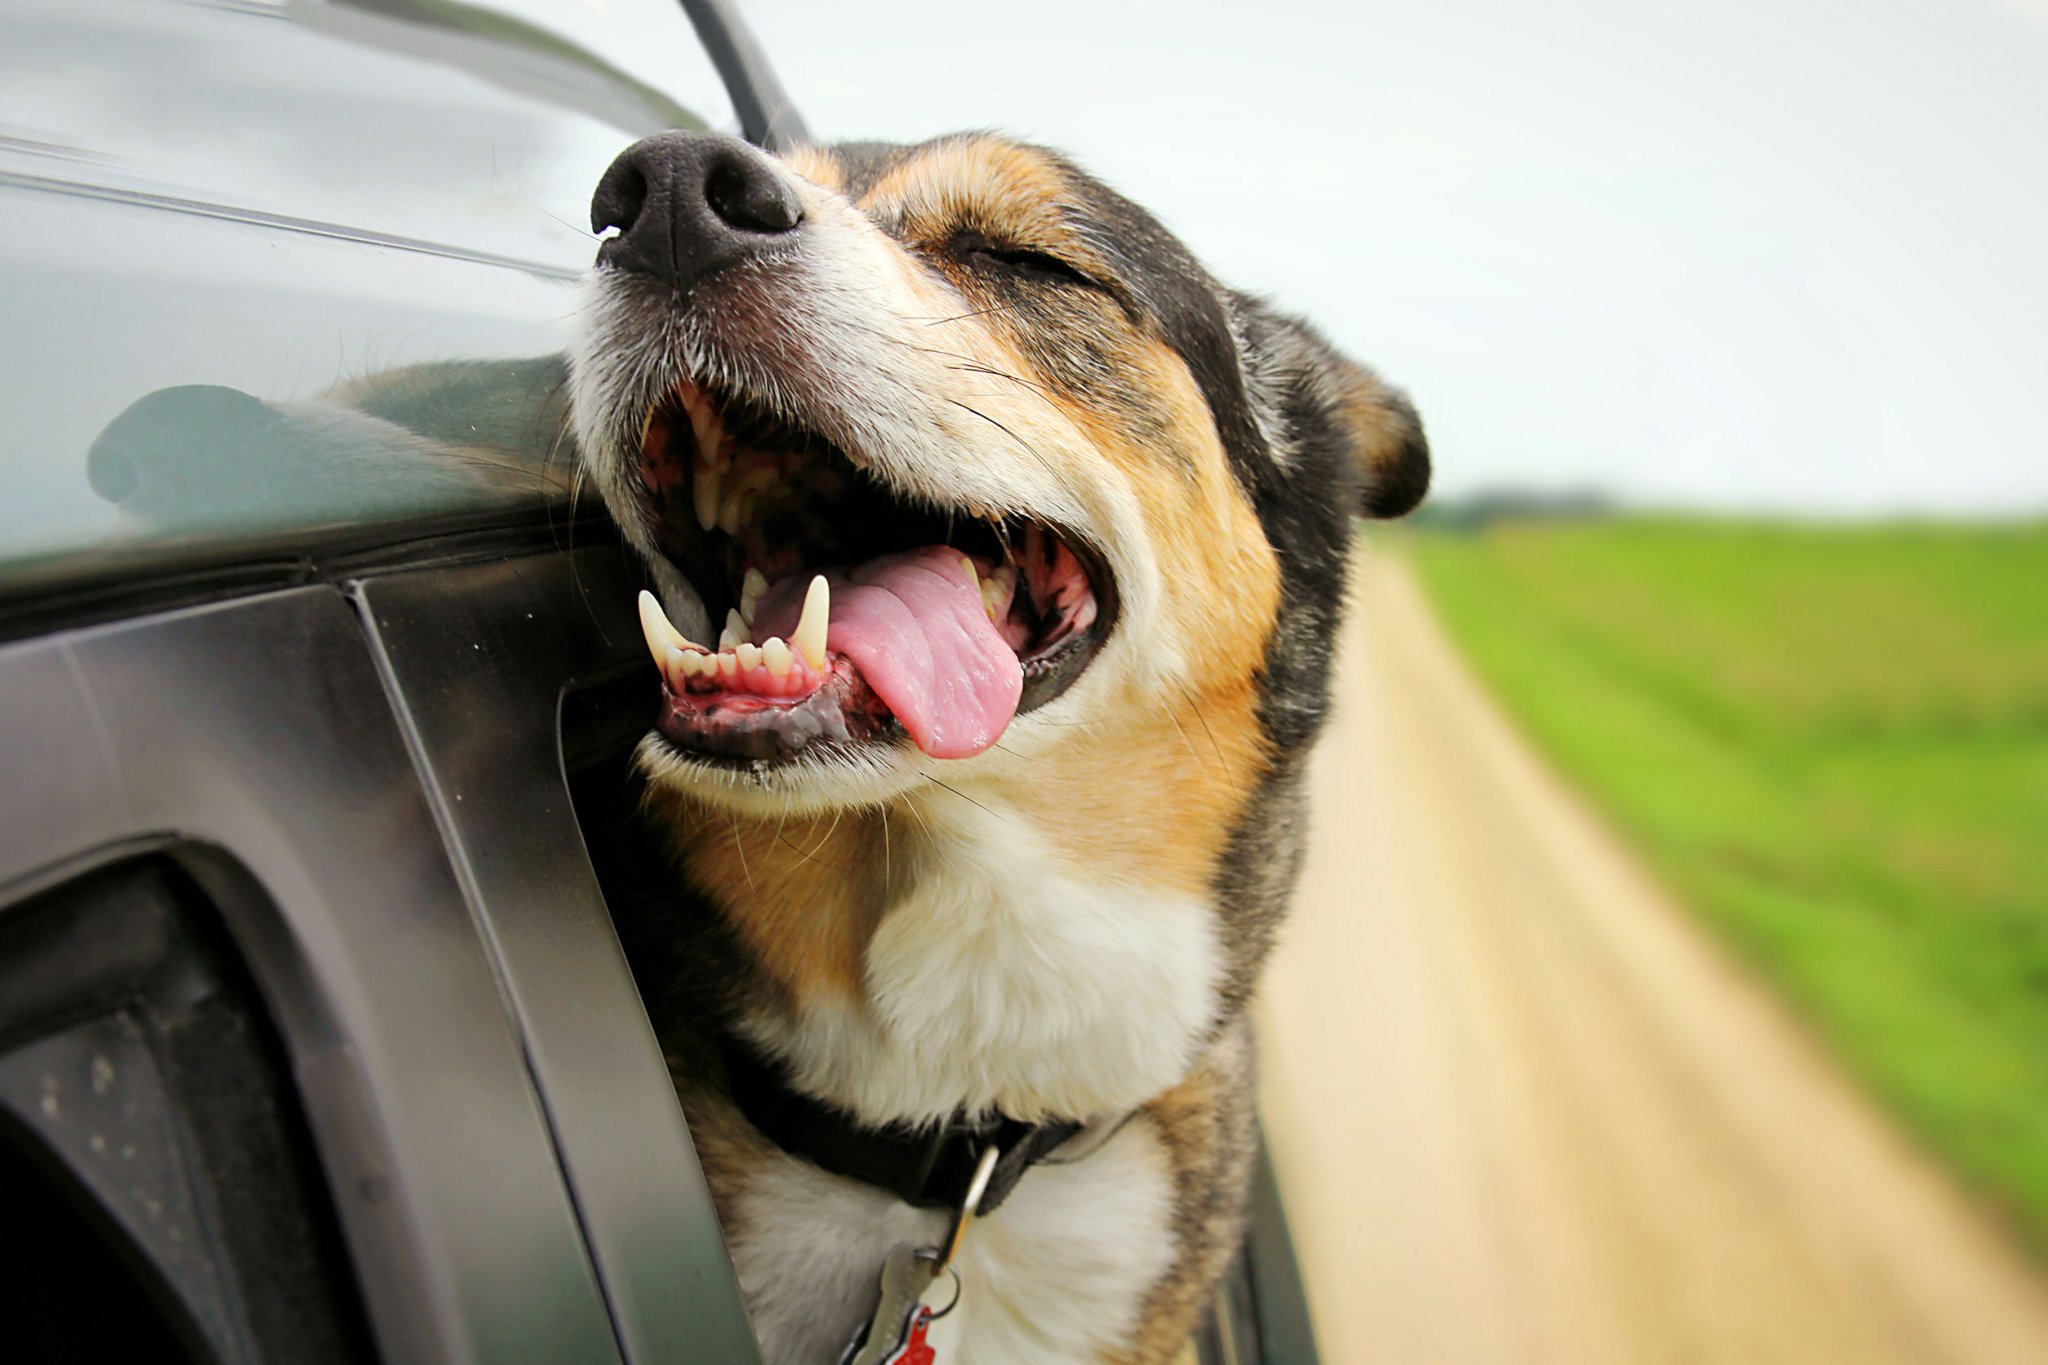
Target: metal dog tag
[895, 1333]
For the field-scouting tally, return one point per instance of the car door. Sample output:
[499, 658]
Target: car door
[315, 1040]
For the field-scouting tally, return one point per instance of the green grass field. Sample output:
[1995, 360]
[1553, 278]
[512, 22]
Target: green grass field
[1832, 743]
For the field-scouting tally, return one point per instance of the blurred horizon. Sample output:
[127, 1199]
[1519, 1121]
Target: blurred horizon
[1504, 502]
[1747, 257]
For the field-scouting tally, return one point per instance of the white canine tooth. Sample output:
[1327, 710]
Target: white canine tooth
[775, 654]
[704, 492]
[809, 635]
[748, 655]
[654, 624]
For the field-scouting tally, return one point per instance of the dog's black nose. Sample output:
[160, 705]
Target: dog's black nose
[689, 204]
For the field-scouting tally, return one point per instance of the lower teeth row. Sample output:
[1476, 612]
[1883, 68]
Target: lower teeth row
[775, 665]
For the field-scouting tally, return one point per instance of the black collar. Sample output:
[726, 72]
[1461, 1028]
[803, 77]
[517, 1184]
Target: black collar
[929, 1167]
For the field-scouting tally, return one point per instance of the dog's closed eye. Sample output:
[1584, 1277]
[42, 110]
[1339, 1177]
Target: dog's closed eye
[1024, 263]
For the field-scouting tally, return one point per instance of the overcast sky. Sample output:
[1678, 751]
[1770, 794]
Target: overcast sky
[1785, 254]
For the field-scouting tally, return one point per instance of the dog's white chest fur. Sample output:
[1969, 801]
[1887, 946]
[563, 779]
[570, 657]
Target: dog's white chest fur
[1001, 979]
[1056, 1276]
[998, 979]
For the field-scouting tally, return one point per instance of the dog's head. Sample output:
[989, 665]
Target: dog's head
[948, 460]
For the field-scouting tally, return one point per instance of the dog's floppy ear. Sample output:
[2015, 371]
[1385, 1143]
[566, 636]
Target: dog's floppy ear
[1319, 402]
[1386, 438]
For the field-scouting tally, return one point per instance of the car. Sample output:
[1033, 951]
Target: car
[318, 682]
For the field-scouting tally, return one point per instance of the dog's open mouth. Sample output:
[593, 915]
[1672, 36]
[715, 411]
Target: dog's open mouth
[851, 613]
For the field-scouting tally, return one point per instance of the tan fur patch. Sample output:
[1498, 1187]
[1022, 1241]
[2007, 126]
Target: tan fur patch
[1150, 803]
[1009, 193]
[818, 166]
[804, 894]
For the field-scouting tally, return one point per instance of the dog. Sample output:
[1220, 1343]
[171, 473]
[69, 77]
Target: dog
[996, 554]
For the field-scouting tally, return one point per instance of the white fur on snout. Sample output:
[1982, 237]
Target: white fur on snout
[1056, 1276]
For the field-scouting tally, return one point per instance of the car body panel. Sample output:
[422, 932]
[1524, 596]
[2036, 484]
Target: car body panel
[216, 732]
[480, 656]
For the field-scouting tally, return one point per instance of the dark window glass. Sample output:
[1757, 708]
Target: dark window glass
[298, 266]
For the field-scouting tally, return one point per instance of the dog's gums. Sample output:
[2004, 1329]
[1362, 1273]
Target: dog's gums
[848, 611]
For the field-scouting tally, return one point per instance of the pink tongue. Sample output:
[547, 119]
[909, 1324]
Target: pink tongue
[914, 625]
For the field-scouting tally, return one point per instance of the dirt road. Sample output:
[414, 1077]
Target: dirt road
[1523, 1111]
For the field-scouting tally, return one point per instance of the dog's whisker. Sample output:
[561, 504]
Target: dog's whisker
[918, 816]
[1022, 444]
[965, 797]
[1033, 385]
[1020, 756]
[579, 231]
[809, 855]
[957, 317]
[1185, 741]
[1222, 764]
[740, 847]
